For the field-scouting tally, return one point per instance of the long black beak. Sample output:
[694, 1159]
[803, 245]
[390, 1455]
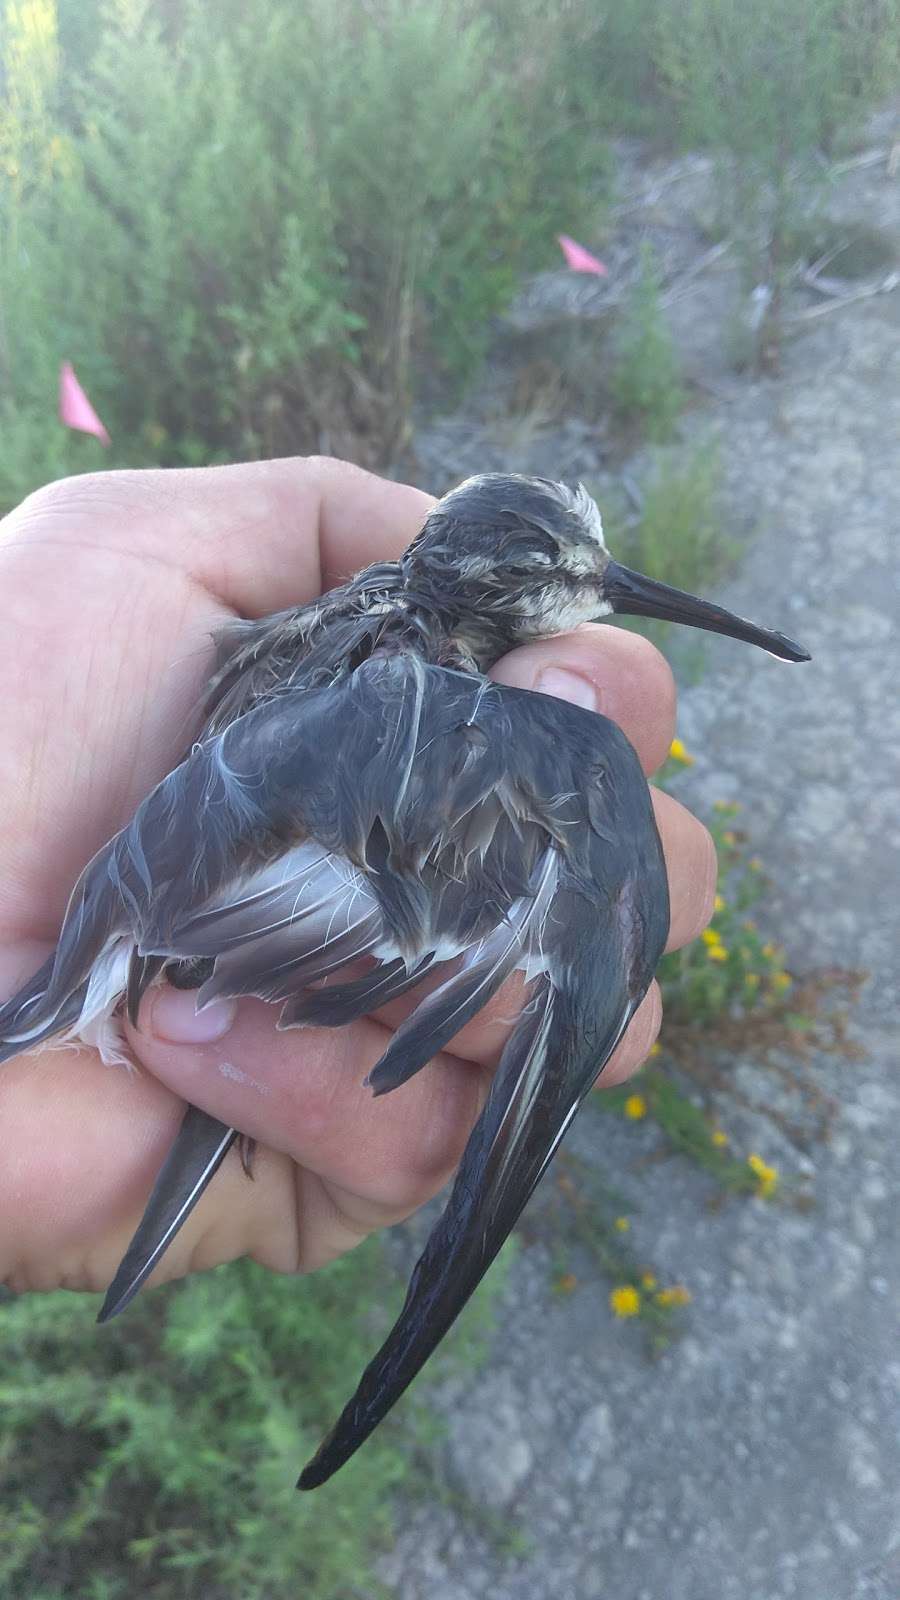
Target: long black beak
[636, 596]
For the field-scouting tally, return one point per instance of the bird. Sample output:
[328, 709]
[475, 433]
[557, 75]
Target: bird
[361, 788]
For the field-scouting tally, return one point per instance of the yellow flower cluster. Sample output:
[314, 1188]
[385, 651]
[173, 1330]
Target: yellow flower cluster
[677, 1295]
[625, 1300]
[767, 1176]
[719, 1137]
[621, 1224]
[715, 949]
[635, 1107]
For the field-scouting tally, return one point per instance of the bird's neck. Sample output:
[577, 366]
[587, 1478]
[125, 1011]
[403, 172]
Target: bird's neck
[444, 631]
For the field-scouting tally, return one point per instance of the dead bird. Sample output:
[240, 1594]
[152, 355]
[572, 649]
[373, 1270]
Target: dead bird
[360, 788]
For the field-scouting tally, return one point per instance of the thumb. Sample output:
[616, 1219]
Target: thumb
[607, 670]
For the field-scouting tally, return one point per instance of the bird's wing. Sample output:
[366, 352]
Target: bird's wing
[595, 947]
[413, 813]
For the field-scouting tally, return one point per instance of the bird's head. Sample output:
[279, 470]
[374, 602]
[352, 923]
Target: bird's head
[525, 558]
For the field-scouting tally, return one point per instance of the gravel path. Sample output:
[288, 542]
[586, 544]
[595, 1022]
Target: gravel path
[759, 1458]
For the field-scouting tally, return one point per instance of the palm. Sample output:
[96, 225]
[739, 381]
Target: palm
[109, 591]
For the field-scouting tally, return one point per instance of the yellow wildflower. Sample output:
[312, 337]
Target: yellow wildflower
[648, 1280]
[781, 981]
[719, 903]
[717, 952]
[729, 836]
[711, 936]
[751, 980]
[768, 1176]
[677, 1295]
[621, 1224]
[635, 1107]
[770, 951]
[654, 1048]
[719, 1137]
[625, 1301]
[678, 752]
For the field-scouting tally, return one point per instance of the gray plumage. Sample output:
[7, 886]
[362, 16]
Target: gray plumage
[361, 788]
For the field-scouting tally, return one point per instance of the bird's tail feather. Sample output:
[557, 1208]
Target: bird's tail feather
[200, 1147]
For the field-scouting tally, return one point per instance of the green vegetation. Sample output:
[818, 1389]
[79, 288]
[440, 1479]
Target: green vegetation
[244, 223]
[767, 87]
[645, 383]
[260, 227]
[732, 968]
[159, 1455]
[677, 535]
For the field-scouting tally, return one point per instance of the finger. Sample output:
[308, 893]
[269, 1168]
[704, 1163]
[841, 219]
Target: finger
[608, 670]
[258, 537]
[691, 865]
[302, 1092]
[82, 1145]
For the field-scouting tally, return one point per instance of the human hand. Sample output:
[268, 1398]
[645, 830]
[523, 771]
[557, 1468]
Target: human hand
[110, 586]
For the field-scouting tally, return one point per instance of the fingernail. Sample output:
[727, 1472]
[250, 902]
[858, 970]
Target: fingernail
[569, 686]
[174, 1018]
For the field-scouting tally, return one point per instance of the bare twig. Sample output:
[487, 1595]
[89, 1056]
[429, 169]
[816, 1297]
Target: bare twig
[818, 266]
[708, 259]
[869, 158]
[891, 282]
[832, 288]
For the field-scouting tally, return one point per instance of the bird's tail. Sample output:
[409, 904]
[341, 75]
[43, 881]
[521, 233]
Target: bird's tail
[548, 1065]
[200, 1147]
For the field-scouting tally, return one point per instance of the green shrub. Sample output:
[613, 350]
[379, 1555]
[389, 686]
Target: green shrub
[159, 1455]
[245, 223]
[645, 382]
[678, 537]
[732, 968]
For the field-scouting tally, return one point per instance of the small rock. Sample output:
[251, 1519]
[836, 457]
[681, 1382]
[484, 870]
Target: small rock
[490, 1456]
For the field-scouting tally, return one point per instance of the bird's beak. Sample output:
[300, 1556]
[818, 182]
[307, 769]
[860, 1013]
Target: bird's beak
[631, 594]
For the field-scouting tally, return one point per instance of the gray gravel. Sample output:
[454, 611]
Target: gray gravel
[759, 1458]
